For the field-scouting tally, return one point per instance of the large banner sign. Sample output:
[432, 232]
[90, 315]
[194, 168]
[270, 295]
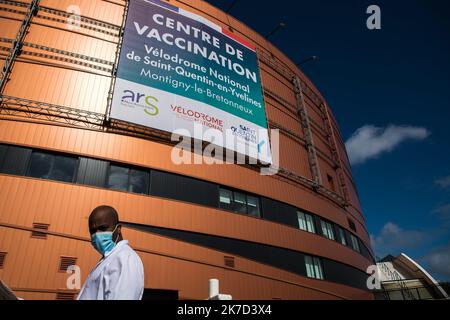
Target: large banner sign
[177, 70]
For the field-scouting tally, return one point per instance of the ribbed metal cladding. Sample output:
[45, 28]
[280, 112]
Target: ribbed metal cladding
[92, 172]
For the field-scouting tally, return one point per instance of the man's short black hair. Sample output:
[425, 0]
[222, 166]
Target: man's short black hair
[108, 210]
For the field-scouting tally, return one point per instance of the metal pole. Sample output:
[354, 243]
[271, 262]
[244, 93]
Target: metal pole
[277, 28]
[116, 62]
[17, 44]
[231, 6]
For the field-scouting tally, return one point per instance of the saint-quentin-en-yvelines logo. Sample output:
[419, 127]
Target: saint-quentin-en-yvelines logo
[136, 99]
[245, 133]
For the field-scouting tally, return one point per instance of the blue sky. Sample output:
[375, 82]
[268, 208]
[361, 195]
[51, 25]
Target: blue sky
[390, 92]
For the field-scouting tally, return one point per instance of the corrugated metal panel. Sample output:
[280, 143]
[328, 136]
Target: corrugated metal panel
[316, 117]
[75, 89]
[294, 157]
[87, 30]
[280, 89]
[282, 116]
[72, 42]
[182, 188]
[92, 172]
[101, 10]
[9, 28]
[321, 143]
[326, 170]
[353, 196]
[278, 78]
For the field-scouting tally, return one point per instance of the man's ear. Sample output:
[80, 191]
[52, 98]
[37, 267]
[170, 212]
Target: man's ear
[119, 229]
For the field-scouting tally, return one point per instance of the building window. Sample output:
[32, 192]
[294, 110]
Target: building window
[305, 222]
[118, 178]
[226, 199]
[53, 167]
[126, 179]
[239, 202]
[253, 206]
[313, 268]
[355, 243]
[331, 183]
[342, 236]
[352, 225]
[2, 259]
[327, 229]
[139, 181]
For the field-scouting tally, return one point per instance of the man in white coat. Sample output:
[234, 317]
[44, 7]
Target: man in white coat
[119, 275]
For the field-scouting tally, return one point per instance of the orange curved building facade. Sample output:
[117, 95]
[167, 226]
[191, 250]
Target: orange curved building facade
[299, 234]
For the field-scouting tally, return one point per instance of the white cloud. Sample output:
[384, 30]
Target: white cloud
[438, 261]
[443, 182]
[394, 240]
[369, 141]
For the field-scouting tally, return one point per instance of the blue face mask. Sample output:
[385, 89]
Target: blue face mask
[103, 242]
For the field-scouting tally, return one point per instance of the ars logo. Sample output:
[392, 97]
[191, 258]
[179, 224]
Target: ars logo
[141, 100]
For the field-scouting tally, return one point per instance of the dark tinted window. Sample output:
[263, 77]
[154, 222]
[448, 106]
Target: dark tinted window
[345, 274]
[173, 186]
[139, 181]
[159, 295]
[54, 167]
[226, 199]
[327, 229]
[16, 160]
[3, 152]
[239, 202]
[352, 225]
[279, 212]
[125, 179]
[253, 206]
[354, 243]
[342, 237]
[118, 178]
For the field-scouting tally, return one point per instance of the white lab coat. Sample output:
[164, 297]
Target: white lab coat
[119, 275]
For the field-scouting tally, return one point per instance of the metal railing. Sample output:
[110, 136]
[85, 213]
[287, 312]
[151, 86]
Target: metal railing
[402, 291]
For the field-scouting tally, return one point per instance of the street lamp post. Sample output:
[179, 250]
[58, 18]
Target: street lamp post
[280, 26]
[231, 6]
[311, 58]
